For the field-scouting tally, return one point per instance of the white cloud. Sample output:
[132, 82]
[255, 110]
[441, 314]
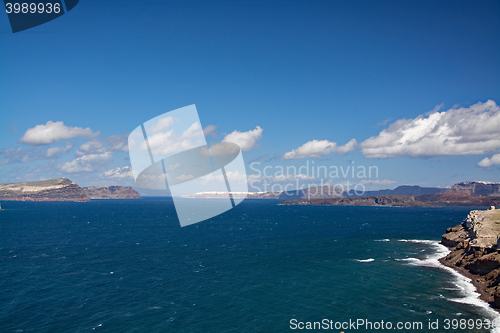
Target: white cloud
[173, 167]
[318, 149]
[246, 140]
[221, 149]
[185, 177]
[377, 181]
[125, 172]
[279, 178]
[458, 131]
[487, 162]
[54, 131]
[210, 131]
[165, 143]
[87, 163]
[57, 151]
[236, 177]
[19, 155]
[163, 124]
[89, 147]
[113, 143]
[291, 177]
[117, 142]
[232, 176]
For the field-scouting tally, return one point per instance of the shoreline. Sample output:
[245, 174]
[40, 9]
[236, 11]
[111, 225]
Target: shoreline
[466, 287]
[475, 280]
[473, 253]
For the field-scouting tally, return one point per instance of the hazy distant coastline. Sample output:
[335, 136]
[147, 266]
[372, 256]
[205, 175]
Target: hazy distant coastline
[472, 193]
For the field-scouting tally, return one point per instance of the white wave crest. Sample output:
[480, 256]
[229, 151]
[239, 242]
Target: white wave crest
[463, 283]
[365, 260]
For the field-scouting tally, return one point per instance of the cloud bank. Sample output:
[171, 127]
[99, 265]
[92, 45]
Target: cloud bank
[246, 140]
[458, 131]
[54, 131]
[124, 172]
[488, 162]
[318, 149]
[87, 163]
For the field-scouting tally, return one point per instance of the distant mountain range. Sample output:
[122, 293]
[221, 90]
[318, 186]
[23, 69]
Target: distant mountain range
[400, 190]
[471, 193]
[62, 189]
[471, 188]
[426, 200]
[324, 192]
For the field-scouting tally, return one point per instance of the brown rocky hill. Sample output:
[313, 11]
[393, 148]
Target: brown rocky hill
[60, 189]
[458, 199]
[476, 188]
[112, 192]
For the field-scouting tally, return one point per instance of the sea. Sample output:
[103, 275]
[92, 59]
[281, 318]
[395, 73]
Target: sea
[128, 266]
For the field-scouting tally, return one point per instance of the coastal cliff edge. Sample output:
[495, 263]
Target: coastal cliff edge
[475, 252]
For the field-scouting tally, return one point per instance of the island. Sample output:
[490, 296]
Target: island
[63, 189]
[60, 189]
[428, 200]
[475, 252]
[112, 192]
[389, 200]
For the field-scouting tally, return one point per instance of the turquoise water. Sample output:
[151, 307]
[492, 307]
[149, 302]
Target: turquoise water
[127, 266]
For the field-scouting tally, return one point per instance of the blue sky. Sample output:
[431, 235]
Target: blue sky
[299, 70]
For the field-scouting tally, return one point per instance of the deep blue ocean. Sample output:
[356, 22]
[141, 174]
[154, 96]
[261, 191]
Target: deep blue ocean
[127, 266]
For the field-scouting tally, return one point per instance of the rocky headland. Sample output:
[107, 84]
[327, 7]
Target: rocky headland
[476, 188]
[60, 189]
[475, 252]
[63, 189]
[112, 192]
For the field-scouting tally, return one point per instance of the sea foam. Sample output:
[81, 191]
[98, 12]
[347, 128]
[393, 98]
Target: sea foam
[463, 283]
[365, 260]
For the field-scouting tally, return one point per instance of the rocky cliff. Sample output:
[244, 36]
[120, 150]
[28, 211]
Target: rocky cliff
[112, 192]
[458, 199]
[391, 200]
[61, 189]
[475, 252]
[476, 188]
